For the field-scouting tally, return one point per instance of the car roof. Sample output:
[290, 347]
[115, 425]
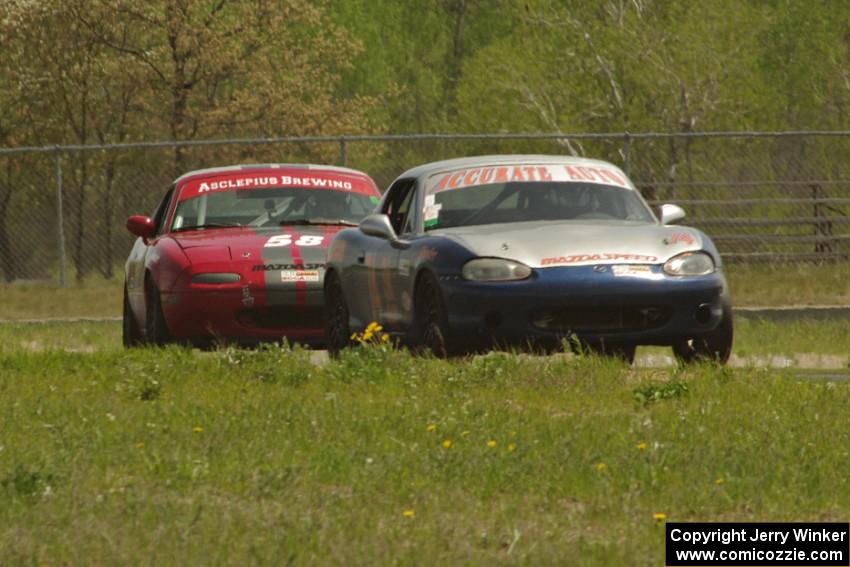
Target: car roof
[500, 159]
[262, 166]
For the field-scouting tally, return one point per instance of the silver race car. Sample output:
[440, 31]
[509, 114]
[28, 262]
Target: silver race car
[527, 251]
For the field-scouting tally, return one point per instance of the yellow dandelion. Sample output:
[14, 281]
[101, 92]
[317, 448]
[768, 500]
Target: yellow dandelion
[377, 329]
[367, 336]
[353, 336]
[511, 446]
[601, 466]
[197, 429]
[659, 516]
[719, 480]
[432, 427]
[408, 513]
[641, 446]
[139, 445]
[385, 338]
[447, 443]
[491, 443]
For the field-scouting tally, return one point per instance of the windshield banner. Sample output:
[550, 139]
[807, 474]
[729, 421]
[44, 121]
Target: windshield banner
[477, 176]
[254, 180]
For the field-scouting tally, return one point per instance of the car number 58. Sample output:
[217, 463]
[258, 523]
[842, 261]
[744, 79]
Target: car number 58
[286, 240]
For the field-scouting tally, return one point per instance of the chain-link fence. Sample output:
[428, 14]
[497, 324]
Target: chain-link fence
[762, 196]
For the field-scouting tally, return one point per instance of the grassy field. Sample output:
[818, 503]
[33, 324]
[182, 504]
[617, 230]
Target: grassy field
[751, 286]
[243, 457]
[176, 456]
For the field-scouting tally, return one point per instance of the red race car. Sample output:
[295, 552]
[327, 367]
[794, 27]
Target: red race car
[237, 254]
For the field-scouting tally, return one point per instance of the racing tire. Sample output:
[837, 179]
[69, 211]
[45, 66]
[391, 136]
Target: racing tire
[620, 351]
[431, 321]
[715, 347]
[130, 334]
[156, 330]
[337, 330]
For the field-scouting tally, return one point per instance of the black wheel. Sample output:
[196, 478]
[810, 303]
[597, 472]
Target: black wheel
[431, 322]
[337, 331]
[714, 347]
[131, 335]
[156, 331]
[620, 351]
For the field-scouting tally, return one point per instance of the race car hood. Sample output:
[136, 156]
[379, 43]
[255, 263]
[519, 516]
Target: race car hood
[544, 244]
[288, 244]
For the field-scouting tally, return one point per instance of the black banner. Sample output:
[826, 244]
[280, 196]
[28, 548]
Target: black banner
[762, 544]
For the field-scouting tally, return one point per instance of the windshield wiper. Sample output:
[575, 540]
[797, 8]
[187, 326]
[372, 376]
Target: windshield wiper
[207, 225]
[332, 222]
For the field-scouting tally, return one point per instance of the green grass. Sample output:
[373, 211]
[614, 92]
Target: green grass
[94, 297]
[755, 285]
[789, 284]
[242, 457]
[758, 336]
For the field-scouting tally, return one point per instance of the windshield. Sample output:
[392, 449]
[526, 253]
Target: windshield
[537, 193]
[272, 206]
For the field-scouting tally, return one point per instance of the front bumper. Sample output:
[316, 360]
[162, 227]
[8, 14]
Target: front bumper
[591, 303]
[204, 314]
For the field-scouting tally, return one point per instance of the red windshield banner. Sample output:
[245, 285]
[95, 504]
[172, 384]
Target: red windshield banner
[261, 180]
[476, 176]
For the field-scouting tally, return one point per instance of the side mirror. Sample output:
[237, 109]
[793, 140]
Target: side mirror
[141, 226]
[378, 225]
[671, 214]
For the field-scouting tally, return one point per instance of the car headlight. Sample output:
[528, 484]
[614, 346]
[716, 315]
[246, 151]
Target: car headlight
[215, 278]
[690, 264]
[495, 270]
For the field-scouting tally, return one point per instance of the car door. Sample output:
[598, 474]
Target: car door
[138, 260]
[381, 257]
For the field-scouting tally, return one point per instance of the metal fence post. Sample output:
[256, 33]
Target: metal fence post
[627, 153]
[60, 218]
[343, 157]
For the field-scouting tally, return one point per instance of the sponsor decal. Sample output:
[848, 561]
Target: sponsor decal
[428, 253]
[286, 240]
[247, 298]
[525, 173]
[304, 179]
[299, 276]
[272, 181]
[431, 211]
[634, 271]
[278, 267]
[585, 258]
[680, 237]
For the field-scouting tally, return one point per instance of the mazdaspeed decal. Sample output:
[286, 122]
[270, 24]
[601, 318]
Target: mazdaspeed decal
[477, 176]
[590, 258]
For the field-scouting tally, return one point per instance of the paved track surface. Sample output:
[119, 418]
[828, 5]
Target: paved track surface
[781, 313]
[789, 313]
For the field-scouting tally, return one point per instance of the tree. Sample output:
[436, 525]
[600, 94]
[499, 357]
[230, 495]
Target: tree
[250, 68]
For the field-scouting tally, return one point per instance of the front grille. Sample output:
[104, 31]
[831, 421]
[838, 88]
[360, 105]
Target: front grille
[282, 316]
[601, 319]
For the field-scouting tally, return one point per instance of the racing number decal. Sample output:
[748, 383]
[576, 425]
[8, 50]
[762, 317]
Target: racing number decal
[286, 240]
